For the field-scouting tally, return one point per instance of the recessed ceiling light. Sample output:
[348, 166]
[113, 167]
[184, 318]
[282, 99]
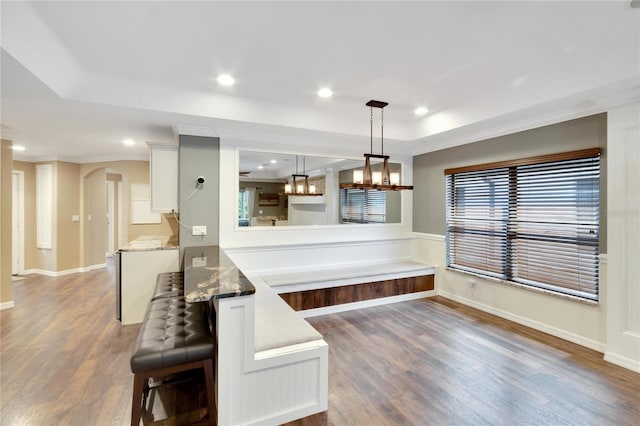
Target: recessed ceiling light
[225, 80]
[128, 142]
[420, 111]
[17, 147]
[260, 167]
[274, 161]
[325, 92]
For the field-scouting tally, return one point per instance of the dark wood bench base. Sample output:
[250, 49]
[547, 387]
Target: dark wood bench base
[319, 298]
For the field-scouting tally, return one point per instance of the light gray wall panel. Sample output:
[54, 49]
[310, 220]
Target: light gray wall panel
[199, 156]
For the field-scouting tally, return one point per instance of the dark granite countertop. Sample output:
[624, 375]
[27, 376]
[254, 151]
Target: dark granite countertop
[210, 274]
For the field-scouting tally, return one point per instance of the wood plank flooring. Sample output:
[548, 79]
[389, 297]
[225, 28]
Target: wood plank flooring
[64, 360]
[434, 361]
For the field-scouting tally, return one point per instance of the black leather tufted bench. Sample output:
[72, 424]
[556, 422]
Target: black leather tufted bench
[168, 284]
[174, 337]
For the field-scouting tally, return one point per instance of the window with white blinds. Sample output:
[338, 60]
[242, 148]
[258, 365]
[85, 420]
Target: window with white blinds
[533, 221]
[362, 206]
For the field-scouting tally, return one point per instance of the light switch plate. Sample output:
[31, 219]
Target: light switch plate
[199, 230]
[75, 218]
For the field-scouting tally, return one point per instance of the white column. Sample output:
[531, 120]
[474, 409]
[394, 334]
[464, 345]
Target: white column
[623, 241]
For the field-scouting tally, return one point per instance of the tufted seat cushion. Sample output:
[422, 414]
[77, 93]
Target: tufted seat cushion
[173, 333]
[168, 284]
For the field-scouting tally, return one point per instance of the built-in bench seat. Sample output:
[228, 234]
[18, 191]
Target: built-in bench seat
[335, 275]
[310, 289]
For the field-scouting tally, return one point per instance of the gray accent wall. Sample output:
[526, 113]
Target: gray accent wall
[429, 201]
[199, 156]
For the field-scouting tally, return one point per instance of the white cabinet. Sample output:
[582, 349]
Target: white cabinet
[164, 177]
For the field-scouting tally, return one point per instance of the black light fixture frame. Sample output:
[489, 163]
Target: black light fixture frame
[367, 181]
[294, 187]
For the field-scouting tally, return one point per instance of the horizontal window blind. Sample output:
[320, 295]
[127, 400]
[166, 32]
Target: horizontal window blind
[362, 206]
[534, 224]
[478, 213]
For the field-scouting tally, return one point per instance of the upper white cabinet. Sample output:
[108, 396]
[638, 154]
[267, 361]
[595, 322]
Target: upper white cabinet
[164, 177]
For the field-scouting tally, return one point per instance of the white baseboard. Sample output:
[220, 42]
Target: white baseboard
[6, 305]
[365, 304]
[545, 328]
[622, 361]
[432, 237]
[65, 272]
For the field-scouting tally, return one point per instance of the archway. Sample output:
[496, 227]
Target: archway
[102, 211]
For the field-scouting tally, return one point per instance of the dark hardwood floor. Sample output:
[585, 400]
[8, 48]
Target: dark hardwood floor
[65, 360]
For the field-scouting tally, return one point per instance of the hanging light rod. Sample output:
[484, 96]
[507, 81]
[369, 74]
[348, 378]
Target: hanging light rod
[367, 178]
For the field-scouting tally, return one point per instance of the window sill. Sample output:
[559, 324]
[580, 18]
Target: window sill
[526, 287]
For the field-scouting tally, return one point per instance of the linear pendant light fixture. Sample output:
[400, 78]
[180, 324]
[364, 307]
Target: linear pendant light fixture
[378, 180]
[300, 187]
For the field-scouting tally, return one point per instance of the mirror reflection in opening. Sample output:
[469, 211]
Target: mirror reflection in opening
[268, 195]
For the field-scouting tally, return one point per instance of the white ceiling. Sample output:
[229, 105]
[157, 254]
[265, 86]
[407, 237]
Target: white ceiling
[78, 77]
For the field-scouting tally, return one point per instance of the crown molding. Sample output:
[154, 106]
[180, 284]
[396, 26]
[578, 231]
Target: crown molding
[184, 129]
[573, 107]
[76, 160]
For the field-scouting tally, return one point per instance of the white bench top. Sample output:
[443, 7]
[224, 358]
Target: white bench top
[277, 325]
[341, 272]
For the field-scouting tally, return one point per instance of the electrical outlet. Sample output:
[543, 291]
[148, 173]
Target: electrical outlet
[198, 262]
[199, 230]
[75, 218]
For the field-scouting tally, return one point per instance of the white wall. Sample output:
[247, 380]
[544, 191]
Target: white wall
[623, 217]
[233, 236]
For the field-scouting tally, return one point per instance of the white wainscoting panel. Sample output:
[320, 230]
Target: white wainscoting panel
[270, 387]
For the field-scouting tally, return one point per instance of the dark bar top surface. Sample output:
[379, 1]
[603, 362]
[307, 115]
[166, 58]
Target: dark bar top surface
[210, 274]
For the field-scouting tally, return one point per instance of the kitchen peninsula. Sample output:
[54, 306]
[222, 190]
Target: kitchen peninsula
[271, 365]
[138, 264]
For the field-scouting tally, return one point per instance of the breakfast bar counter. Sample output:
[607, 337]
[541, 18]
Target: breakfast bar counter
[209, 274]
